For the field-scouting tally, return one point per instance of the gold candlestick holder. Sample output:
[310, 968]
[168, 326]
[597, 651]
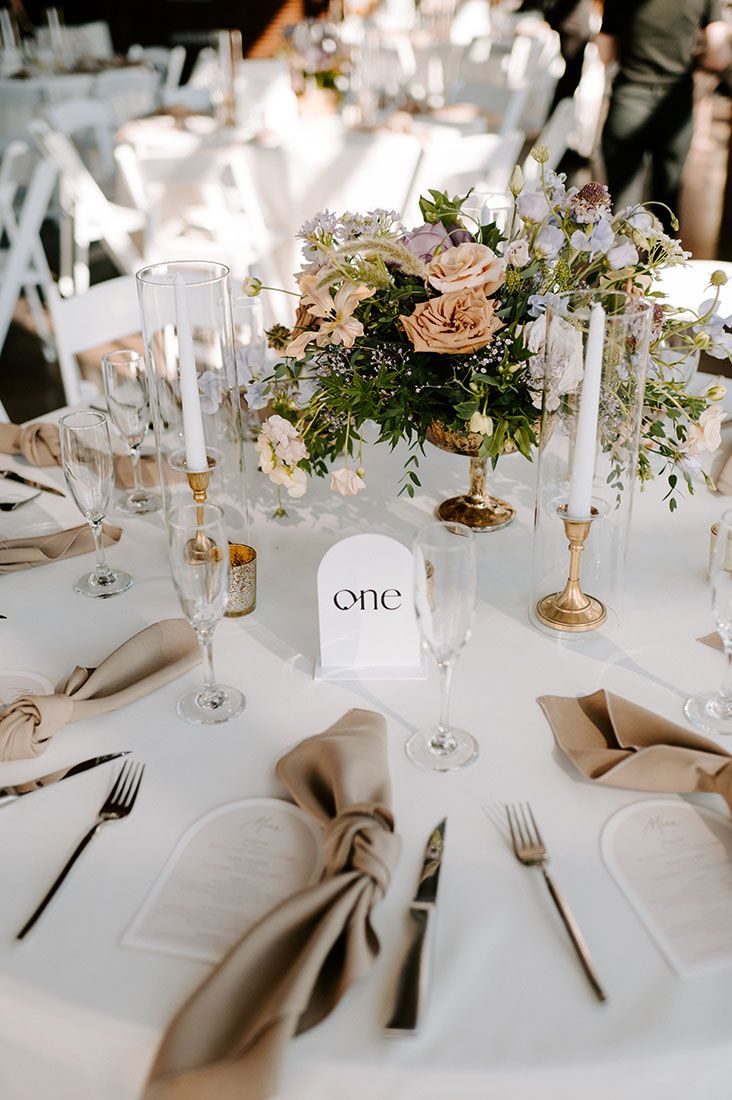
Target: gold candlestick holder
[571, 609]
[200, 545]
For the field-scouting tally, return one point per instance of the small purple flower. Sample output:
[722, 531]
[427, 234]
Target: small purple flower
[426, 241]
[257, 395]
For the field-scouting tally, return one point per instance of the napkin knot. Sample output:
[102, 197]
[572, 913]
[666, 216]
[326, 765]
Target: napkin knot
[29, 722]
[40, 445]
[362, 839]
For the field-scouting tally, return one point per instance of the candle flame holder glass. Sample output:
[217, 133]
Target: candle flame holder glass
[560, 338]
[204, 294]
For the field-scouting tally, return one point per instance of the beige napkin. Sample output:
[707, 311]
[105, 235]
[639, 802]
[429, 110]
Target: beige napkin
[150, 659]
[712, 640]
[38, 443]
[289, 971]
[23, 553]
[619, 743]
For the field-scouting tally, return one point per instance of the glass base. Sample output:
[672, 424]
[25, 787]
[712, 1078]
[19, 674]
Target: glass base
[118, 581]
[126, 504]
[709, 713]
[225, 703]
[460, 751]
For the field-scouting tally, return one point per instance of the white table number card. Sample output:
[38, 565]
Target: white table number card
[368, 627]
[227, 871]
[673, 862]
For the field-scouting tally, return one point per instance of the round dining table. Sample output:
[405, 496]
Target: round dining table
[510, 1015]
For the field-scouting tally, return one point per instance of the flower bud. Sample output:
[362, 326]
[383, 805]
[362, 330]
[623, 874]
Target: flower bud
[718, 278]
[361, 472]
[481, 424]
[540, 154]
[517, 181]
[702, 341]
[251, 286]
[716, 392]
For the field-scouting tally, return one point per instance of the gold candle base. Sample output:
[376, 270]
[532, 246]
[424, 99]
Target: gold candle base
[198, 548]
[571, 609]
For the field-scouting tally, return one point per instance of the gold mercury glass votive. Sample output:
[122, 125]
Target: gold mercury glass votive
[242, 596]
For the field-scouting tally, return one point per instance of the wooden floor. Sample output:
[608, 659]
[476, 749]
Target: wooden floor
[29, 386]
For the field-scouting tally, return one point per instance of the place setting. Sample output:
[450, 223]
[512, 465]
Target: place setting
[347, 359]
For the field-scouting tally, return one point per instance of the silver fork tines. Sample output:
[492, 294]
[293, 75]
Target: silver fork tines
[117, 804]
[530, 850]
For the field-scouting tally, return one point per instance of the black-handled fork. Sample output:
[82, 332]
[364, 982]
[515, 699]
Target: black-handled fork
[117, 804]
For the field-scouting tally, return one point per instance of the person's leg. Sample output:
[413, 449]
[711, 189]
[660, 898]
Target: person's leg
[573, 52]
[625, 141]
[672, 134]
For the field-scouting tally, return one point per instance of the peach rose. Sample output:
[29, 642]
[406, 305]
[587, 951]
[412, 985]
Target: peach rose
[454, 323]
[467, 265]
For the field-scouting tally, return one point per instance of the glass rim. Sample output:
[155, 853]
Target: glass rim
[99, 418]
[144, 275]
[726, 519]
[444, 525]
[124, 355]
[645, 306]
[208, 506]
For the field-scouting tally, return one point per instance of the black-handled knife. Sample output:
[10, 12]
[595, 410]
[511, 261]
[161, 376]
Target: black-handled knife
[9, 794]
[413, 979]
[12, 476]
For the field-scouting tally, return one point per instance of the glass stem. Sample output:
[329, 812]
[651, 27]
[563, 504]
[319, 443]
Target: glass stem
[443, 741]
[726, 689]
[102, 572]
[210, 696]
[138, 489]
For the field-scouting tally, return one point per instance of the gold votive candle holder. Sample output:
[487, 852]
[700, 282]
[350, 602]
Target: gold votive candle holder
[242, 597]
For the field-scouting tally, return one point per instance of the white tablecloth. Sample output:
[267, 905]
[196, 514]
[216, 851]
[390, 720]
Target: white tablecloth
[511, 1015]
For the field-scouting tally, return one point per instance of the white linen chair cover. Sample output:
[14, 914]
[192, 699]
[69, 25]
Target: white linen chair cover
[23, 264]
[107, 312]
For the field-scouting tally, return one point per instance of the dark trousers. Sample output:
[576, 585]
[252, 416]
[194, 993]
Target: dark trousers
[573, 52]
[648, 122]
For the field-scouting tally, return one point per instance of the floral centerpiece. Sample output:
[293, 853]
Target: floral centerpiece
[437, 332]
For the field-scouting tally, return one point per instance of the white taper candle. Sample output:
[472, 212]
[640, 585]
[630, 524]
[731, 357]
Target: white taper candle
[579, 505]
[195, 443]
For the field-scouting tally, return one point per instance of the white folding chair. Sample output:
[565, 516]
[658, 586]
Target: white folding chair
[23, 264]
[86, 214]
[130, 93]
[590, 99]
[108, 311]
[168, 62]
[90, 125]
[556, 136]
[479, 160]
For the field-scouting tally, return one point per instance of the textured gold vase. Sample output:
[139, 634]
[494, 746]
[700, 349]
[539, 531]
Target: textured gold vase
[477, 509]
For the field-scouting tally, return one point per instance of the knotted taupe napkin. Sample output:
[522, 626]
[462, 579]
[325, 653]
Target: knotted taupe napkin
[38, 443]
[150, 659]
[619, 743]
[289, 971]
[33, 550]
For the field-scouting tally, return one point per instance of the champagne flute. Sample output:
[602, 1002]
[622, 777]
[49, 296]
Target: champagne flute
[199, 564]
[445, 596]
[86, 454]
[125, 385]
[712, 712]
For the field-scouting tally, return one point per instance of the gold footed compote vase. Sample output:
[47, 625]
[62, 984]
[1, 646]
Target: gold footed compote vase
[476, 509]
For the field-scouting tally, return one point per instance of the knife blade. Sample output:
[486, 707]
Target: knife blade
[413, 978]
[12, 476]
[9, 794]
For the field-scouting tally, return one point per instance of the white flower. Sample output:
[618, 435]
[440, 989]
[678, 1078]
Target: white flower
[622, 254]
[707, 434]
[517, 181]
[346, 482]
[211, 391]
[517, 254]
[251, 285]
[295, 481]
[548, 242]
[286, 440]
[599, 240]
[533, 206]
[481, 424]
[558, 370]
[267, 457]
